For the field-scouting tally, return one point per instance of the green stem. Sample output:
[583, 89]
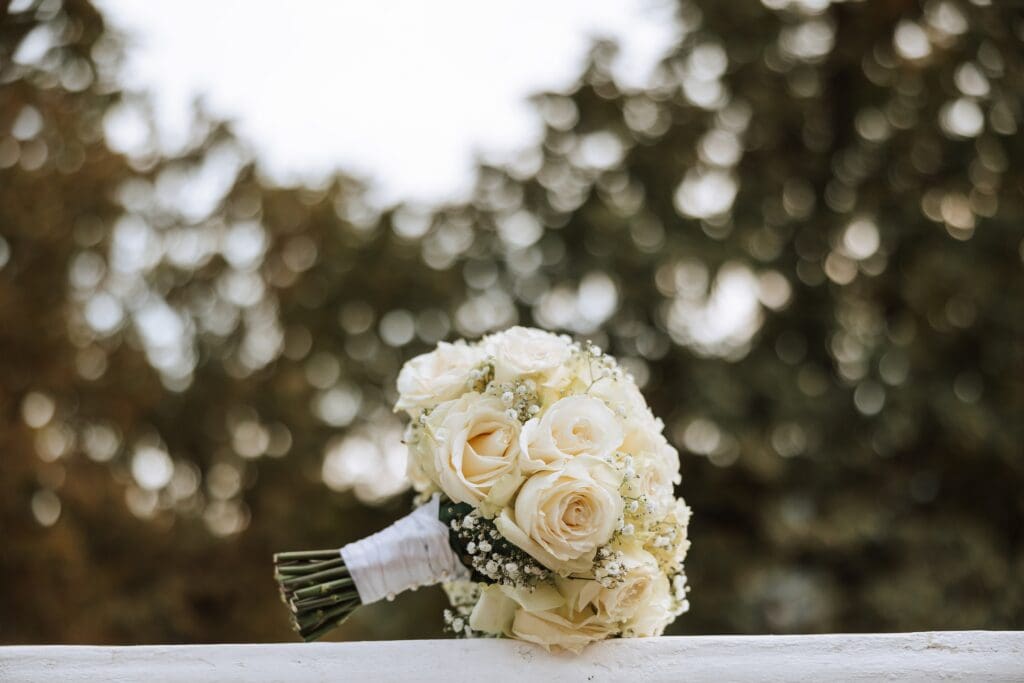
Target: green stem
[308, 567]
[327, 626]
[293, 581]
[313, 603]
[317, 588]
[323, 588]
[305, 555]
[310, 618]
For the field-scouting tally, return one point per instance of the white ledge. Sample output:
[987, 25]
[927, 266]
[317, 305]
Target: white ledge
[950, 655]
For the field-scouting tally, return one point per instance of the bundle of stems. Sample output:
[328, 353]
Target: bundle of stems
[317, 588]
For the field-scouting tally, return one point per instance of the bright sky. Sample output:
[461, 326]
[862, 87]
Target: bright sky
[401, 91]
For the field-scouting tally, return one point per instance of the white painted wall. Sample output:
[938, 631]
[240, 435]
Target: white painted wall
[954, 656]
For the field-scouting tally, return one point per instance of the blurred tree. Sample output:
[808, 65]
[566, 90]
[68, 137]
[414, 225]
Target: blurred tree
[804, 237]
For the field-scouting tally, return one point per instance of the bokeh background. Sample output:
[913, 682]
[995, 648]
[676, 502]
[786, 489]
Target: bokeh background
[803, 233]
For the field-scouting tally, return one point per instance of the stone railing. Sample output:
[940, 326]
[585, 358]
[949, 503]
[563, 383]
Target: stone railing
[951, 655]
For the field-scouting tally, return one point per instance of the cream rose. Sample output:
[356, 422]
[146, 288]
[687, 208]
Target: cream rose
[475, 447]
[657, 473]
[560, 518]
[498, 604]
[522, 351]
[654, 612]
[493, 612]
[573, 426]
[438, 376]
[623, 396]
[560, 628]
[668, 541]
[641, 433]
[622, 602]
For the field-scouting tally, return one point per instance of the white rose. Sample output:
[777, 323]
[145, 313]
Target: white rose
[560, 628]
[654, 612]
[539, 616]
[573, 426]
[623, 601]
[493, 612]
[623, 397]
[438, 376]
[475, 447]
[561, 517]
[497, 605]
[657, 473]
[669, 541]
[524, 351]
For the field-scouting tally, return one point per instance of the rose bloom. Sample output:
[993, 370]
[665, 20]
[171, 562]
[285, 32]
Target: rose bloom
[639, 603]
[560, 518]
[540, 616]
[623, 397]
[559, 628]
[475, 447]
[573, 426]
[673, 527]
[438, 376]
[497, 605]
[654, 611]
[524, 351]
[657, 473]
[641, 432]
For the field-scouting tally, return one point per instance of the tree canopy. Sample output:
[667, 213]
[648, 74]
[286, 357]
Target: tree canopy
[804, 237]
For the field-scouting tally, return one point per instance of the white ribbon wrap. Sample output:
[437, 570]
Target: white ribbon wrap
[412, 552]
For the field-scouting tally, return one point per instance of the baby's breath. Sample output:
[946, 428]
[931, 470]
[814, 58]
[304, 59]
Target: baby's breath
[486, 552]
[520, 398]
[481, 377]
[462, 595]
[608, 567]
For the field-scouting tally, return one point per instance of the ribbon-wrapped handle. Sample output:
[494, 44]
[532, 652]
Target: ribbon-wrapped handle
[412, 552]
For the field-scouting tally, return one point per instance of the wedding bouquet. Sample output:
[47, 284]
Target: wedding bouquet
[547, 501]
